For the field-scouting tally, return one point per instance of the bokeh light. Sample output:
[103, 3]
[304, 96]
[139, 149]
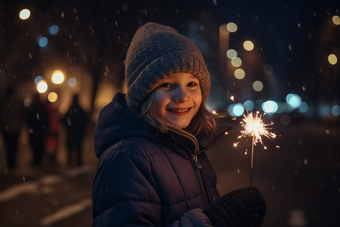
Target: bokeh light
[270, 107]
[293, 100]
[248, 45]
[336, 110]
[72, 82]
[268, 69]
[42, 86]
[42, 41]
[231, 27]
[54, 29]
[52, 97]
[249, 105]
[258, 86]
[27, 102]
[58, 77]
[336, 20]
[231, 53]
[37, 79]
[24, 14]
[323, 110]
[303, 108]
[332, 59]
[239, 74]
[236, 62]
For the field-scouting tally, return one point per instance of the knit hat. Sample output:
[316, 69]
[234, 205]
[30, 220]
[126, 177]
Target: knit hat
[157, 51]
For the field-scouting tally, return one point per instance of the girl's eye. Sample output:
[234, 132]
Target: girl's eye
[166, 85]
[192, 84]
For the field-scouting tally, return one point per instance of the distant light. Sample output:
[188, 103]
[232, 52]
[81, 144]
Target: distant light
[231, 27]
[249, 105]
[248, 45]
[285, 119]
[37, 79]
[270, 107]
[72, 82]
[58, 77]
[293, 100]
[236, 62]
[231, 53]
[24, 14]
[238, 109]
[287, 108]
[303, 108]
[258, 86]
[336, 20]
[239, 74]
[54, 29]
[332, 59]
[27, 102]
[268, 69]
[52, 97]
[42, 86]
[42, 41]
[336, 110]
[324, 110]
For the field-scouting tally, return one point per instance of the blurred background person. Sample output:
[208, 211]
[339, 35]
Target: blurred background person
[75, 121]
[37, 118]
[11, 121]
[52, 139]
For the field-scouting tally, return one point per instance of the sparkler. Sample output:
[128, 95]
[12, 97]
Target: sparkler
[255, 127]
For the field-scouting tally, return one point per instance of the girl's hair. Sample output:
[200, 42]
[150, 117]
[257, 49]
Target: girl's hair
[203, 123]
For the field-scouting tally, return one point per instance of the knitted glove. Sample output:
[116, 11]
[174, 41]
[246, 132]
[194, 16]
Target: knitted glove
[242, 207]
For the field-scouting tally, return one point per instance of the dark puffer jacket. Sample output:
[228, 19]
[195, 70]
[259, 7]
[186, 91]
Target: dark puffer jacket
[145, 178]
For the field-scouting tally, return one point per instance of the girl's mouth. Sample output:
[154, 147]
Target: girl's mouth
[179, 110]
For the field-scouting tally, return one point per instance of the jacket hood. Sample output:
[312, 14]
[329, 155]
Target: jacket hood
[117, 121]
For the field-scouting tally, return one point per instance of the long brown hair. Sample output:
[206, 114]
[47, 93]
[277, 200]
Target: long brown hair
[203, 123]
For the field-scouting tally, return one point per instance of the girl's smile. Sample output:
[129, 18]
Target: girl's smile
[179, 98]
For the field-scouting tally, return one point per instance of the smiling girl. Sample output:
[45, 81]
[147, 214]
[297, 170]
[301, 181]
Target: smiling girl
[151, 143]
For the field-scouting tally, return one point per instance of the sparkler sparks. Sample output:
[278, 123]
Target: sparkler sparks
[254, 126]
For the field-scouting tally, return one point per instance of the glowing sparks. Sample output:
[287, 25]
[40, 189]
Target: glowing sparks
[255, 127]
[232, 98]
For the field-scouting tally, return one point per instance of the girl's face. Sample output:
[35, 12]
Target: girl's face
[179, 98]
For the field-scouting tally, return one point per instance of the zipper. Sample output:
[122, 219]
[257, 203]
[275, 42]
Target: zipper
[198, 167]
[201, 181]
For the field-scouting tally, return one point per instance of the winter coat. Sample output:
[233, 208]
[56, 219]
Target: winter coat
[145, 178]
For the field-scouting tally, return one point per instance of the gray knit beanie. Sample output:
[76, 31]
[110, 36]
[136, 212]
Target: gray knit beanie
[157, 51]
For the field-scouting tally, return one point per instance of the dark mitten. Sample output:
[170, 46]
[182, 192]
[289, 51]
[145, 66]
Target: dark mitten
[242, 207]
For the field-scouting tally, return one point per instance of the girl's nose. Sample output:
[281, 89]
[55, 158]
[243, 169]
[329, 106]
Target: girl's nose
[180, 95]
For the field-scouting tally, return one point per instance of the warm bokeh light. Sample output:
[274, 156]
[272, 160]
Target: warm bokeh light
[231, 27]
[72, 82]
[24, 14]
[231, 53]
[236, 62]
[58, 77]
[336, 20]
[248, 45]
[239, 74]
[332, 59]
[258, 86]
[42, 86]
[52, 97]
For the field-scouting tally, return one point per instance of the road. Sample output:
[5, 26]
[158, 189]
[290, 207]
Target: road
[298, 175]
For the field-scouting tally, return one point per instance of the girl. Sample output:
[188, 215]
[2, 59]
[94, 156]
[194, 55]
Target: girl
[151, 143]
